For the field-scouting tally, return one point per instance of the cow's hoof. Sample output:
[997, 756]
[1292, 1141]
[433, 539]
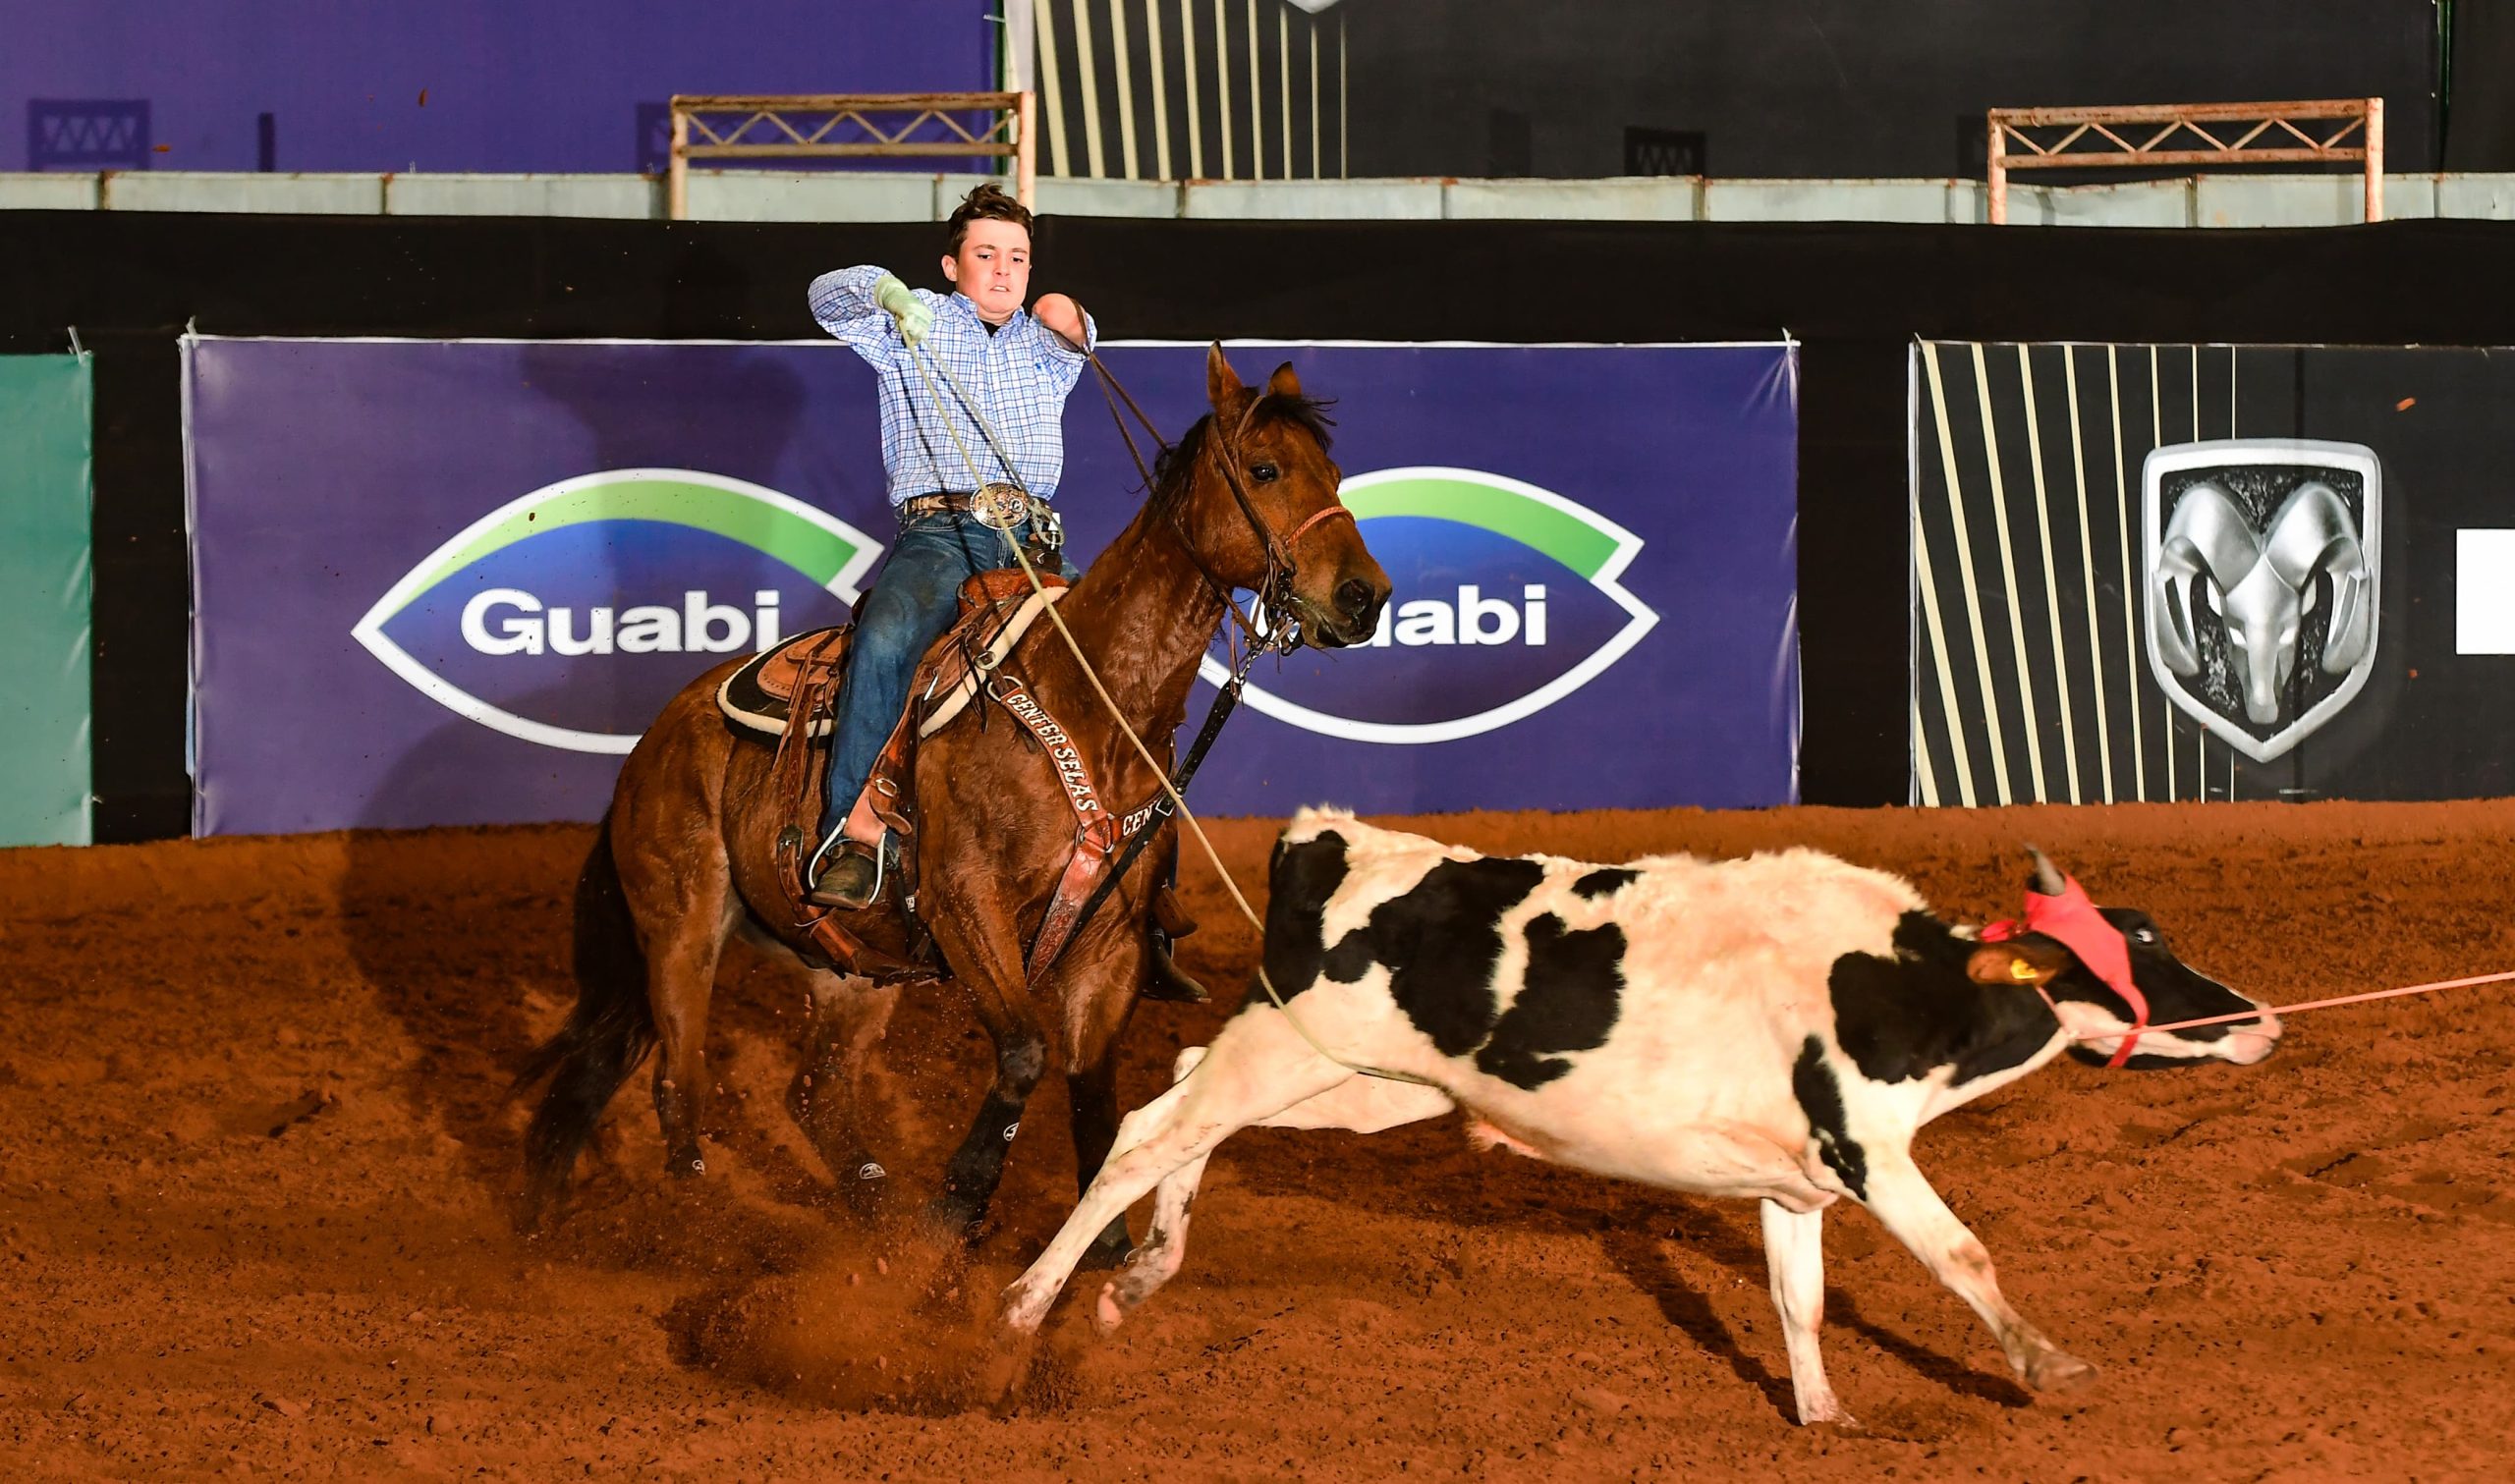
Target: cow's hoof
[1827, 1412]
[2058, 1371]
[1109, 1311]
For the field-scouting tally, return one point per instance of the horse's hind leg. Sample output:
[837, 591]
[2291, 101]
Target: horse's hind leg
[827, 1098]
[685, 912]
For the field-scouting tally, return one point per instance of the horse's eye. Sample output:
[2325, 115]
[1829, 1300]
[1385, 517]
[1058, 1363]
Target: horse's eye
[1263, 473]
[2144, 935]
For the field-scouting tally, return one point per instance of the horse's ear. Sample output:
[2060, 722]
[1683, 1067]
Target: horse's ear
[1285, 382]
[1223, 383]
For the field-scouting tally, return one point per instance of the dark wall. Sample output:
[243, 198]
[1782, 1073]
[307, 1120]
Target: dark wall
[1842, 87]
[1854, 293]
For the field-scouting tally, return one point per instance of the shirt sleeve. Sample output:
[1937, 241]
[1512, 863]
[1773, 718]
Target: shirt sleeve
[843, 303]
[1061, 361]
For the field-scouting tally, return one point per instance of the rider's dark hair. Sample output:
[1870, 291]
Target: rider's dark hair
[987, 203]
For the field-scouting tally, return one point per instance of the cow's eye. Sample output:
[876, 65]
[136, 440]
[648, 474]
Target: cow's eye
[1264, 474]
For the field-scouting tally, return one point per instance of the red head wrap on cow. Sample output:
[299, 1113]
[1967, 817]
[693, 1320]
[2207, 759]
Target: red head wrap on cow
[2072, 920]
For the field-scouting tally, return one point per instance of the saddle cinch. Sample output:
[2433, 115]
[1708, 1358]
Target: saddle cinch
[789, 693]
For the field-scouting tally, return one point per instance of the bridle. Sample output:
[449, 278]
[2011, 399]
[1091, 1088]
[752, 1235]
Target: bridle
[1279, 623]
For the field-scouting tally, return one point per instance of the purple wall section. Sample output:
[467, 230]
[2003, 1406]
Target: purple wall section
[544, 86]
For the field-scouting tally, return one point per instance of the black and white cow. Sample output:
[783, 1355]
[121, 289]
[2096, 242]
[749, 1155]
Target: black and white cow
[1778, 1026]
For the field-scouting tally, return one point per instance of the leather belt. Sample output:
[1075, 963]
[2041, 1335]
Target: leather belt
[998, 501]
[1000, 506]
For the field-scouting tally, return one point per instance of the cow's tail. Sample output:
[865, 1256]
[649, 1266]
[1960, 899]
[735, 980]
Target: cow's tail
[609, 1032]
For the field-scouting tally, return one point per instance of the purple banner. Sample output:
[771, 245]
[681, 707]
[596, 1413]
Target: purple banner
[450, 583]
[553, 87]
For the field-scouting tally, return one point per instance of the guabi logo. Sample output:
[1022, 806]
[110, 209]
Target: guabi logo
[568, 617]
[1507, 598]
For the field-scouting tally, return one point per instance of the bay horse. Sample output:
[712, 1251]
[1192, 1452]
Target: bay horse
[684, 859]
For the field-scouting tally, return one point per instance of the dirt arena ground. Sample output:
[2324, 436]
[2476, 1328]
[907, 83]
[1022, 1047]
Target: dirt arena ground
[259, 1147]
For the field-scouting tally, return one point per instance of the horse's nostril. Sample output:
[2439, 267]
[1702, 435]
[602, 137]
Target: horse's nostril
[1356, 597]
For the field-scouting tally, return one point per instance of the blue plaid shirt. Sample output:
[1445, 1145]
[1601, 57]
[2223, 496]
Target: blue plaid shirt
[1019, 376]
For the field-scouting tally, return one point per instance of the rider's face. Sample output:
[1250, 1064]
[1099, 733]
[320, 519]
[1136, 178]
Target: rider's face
[992, 268]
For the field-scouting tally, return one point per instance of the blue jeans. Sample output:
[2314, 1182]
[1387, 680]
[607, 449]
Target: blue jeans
[913, 605]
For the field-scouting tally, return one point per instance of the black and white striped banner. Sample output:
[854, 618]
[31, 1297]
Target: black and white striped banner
[2030, 676]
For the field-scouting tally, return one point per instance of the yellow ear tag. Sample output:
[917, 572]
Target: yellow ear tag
[2021, 971]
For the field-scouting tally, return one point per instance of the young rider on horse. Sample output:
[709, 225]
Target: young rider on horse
[1021, 366]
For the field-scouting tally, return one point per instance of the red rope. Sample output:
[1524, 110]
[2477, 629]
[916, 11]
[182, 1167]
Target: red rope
[2289, 1010]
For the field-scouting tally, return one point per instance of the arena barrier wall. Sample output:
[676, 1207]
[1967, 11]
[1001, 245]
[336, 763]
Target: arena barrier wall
[45, 404]
[1853, 295]
[450, 583]
[2179, 572]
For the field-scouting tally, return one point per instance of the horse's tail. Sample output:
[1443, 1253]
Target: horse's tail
[607, 1034]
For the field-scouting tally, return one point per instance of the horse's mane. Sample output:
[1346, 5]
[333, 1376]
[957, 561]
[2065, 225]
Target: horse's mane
[1170, 470]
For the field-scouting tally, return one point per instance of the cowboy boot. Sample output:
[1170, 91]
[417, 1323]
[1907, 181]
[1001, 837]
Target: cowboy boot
[846, 881]
[1164, 978]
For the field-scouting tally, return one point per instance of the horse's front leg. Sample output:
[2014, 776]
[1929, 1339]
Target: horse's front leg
[989, 963]
[1097, 992]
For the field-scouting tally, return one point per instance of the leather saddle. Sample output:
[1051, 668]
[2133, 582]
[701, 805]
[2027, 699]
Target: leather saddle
[789, 693]
[760, 696]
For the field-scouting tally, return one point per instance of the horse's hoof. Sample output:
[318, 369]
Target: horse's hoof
[1006, 1367]
[949, 1229]
[864, 1189]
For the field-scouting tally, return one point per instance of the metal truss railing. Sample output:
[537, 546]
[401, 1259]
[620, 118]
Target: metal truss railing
[851, 126]
[2325, 131]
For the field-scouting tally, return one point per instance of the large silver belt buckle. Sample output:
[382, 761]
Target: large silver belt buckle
[1001, 507]
[1047, 528]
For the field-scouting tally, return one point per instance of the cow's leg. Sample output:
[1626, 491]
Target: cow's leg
[1258, 1067]
[1904, 1202]
[1795, 1259]
[1363, 1105]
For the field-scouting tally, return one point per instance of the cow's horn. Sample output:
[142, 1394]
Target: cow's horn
[2047, 879]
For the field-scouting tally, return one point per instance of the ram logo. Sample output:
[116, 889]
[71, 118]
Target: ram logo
[2263, 583]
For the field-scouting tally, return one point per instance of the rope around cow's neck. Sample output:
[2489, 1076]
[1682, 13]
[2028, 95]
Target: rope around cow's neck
[1127, 729]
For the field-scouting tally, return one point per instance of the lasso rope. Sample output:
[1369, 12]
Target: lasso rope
[2338, 1000]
